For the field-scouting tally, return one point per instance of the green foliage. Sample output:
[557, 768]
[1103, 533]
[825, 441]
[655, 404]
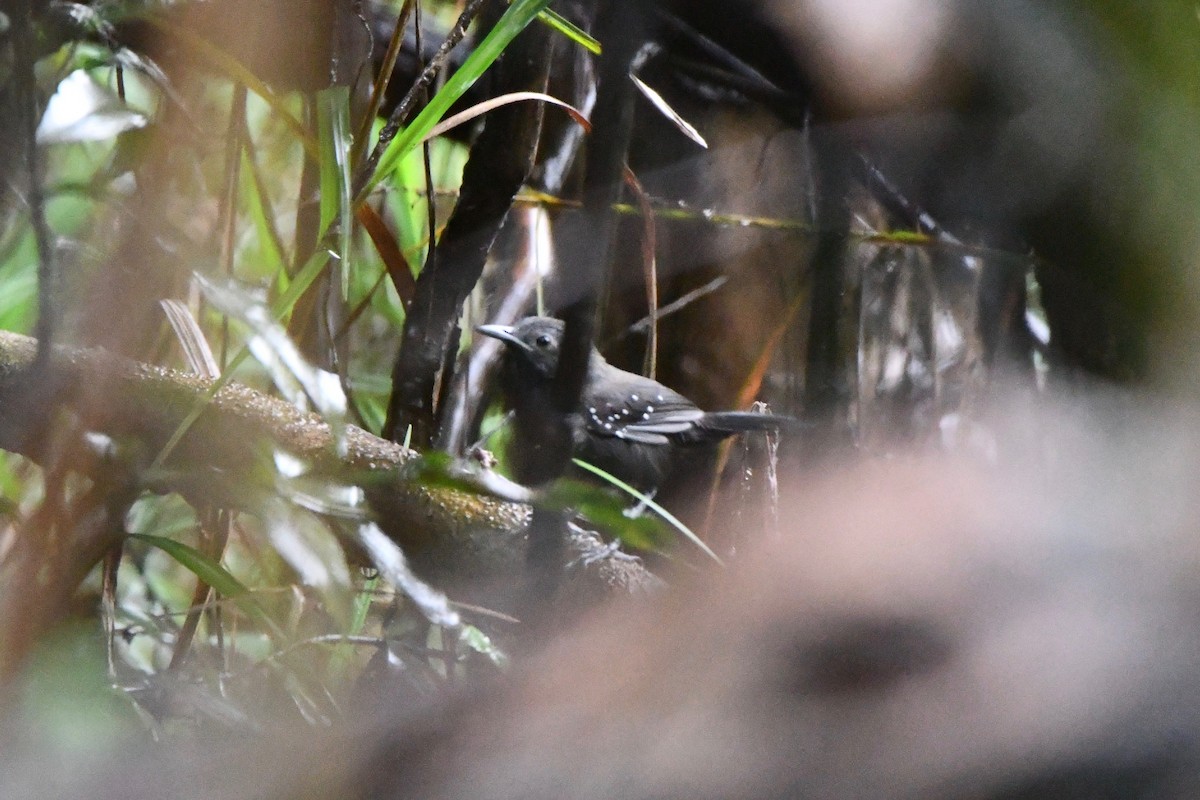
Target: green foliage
[518, 15]
[606, 511]
[287, 618]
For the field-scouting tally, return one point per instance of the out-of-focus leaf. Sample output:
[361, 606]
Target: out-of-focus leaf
[18, 300]
[276, 351]
[66, 701]
[607, 511]
[479, 642]
[237, 71]
[309, 546]
[318, 493]
[81, 110]
[86, 17]
[130, 151]
[304, 278]
[443, 471]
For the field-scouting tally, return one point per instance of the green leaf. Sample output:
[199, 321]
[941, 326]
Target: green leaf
[341, 658]
[269, 244]
[212, 573]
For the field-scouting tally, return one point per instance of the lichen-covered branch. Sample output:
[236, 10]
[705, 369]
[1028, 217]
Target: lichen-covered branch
[451, 534]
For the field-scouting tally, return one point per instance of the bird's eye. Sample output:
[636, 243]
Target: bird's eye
[543, 340]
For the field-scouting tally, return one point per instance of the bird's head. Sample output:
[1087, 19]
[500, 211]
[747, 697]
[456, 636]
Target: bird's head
[532, 344]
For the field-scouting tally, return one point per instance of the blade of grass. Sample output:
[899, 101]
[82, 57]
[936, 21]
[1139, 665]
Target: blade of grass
[216, 576]
[392, 564]
[418, 89]
[389, 251]
[649, 269]
[653, 506]
[569, 29]
[262, 212]
[214, 536]
[407, 204]
[340, 660]
[505, 99]
[196, 352]
[379, 88]
[659, 102]
[333, 124]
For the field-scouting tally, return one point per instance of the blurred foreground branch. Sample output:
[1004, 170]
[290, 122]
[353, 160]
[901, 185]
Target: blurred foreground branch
[227, 459]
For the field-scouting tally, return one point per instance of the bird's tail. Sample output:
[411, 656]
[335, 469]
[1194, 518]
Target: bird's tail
[731, 422]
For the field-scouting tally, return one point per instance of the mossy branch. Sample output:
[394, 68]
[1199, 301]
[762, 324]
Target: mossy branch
[451, 534]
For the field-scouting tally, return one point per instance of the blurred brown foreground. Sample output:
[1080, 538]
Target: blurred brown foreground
[1021, 624]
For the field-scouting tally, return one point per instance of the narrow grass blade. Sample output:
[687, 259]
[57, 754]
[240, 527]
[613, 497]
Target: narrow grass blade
[653, 506]
[333, 152]
[390, 253]
[503, 100]
[569, 29]
[216, 576]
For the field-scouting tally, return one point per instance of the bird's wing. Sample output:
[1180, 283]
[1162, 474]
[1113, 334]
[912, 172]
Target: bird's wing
[649, 419]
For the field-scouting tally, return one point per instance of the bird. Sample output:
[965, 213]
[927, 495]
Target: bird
[630, 426]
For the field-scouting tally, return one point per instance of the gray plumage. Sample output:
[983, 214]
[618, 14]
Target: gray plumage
[628, 425]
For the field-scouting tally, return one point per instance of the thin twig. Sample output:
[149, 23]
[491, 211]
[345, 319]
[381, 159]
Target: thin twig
[671, 308]
[26, 84]
[430, 205]
[382, 79]
[227, 212]
[399, 116]
[650, 266]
